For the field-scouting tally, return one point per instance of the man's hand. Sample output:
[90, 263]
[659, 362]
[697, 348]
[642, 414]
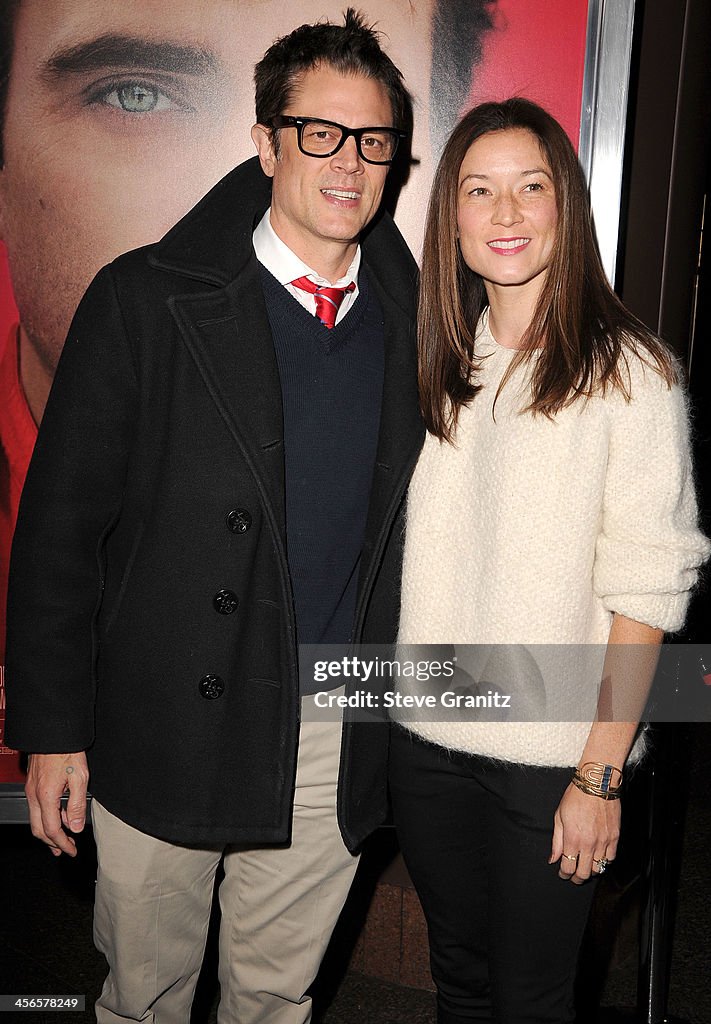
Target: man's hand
[48, 777]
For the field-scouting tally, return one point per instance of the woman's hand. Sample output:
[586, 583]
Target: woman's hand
[587, 827]
[586, 831]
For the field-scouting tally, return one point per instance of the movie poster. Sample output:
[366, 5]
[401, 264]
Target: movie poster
[118, 117]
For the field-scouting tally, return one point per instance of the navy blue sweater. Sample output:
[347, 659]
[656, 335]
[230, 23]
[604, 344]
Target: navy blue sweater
[331, 382]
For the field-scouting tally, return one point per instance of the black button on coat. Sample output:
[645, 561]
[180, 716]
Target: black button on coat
[225, 602]
[239, 520]
[211, 687]
[157, 475]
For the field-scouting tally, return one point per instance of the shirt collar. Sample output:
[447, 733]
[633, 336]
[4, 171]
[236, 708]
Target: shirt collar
[285, 265]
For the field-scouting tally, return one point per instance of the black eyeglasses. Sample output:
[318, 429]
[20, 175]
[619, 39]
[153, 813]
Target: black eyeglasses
[324, 138]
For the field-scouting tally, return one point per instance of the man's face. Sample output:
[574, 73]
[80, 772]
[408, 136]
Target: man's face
[320, 206]
[120, 116]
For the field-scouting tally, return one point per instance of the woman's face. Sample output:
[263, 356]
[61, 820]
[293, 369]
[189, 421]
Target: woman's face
[506, 212]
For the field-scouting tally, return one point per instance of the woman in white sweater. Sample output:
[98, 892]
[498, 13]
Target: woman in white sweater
[552, 505]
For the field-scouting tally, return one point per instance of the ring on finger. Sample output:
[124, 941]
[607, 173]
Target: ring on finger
[571, 856]
[601, 864]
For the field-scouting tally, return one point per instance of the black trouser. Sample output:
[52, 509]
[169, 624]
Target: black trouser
[504, 929]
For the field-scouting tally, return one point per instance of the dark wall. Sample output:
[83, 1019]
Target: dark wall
[665, 263]
[668, 143]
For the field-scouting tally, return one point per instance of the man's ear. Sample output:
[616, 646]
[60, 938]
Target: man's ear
[262, 139]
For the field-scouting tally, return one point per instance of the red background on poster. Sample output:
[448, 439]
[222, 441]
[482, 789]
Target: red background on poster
[537, 51]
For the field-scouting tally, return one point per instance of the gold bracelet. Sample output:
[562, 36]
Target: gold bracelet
[605, 777]
[611, 794]
[598, 779]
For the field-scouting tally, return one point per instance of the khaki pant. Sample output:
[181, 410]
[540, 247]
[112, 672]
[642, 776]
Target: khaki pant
[279, 906]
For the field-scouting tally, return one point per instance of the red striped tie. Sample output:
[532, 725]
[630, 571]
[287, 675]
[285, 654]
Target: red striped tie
[328, 300]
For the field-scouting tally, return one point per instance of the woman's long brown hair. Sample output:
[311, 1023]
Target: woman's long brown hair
[581, 326]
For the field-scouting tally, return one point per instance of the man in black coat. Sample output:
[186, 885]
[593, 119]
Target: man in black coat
[219, 475]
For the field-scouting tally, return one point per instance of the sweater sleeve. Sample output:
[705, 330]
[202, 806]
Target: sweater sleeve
[649, 548]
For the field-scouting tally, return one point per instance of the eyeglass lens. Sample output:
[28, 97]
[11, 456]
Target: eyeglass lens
[319, 138]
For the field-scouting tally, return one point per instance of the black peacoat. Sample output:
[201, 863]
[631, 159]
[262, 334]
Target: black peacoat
[151, 615]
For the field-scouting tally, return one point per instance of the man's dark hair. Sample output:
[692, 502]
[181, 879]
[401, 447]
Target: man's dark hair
[352, 48]
[8, 13]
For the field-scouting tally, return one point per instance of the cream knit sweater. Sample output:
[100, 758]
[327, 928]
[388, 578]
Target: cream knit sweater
[534, 531]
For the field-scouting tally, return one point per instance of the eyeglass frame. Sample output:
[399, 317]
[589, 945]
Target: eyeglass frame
[300, 122]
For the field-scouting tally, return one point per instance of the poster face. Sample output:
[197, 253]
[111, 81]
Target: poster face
[118, 117]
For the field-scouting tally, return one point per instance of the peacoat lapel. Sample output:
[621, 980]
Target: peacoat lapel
[226, 328]
[401, 432]
[227, 334]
